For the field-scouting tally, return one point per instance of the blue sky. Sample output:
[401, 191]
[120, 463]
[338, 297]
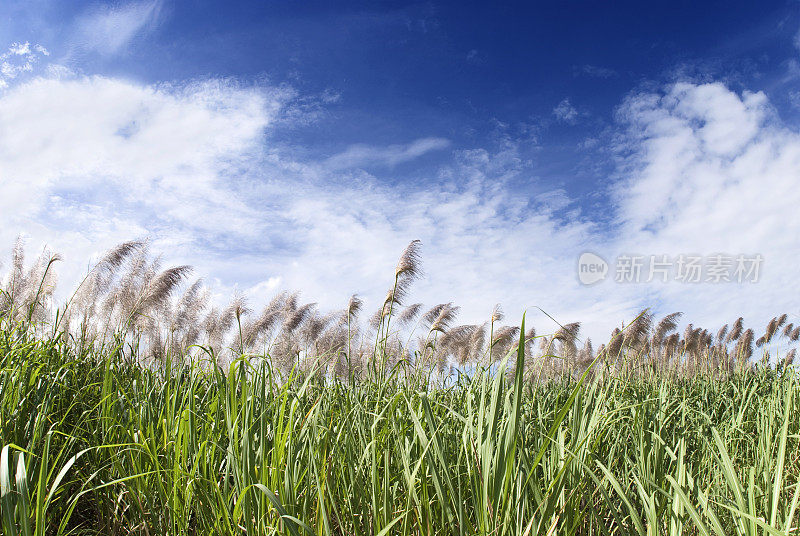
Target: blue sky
[302, 145]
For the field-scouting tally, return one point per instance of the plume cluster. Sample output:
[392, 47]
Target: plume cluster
[160, 315]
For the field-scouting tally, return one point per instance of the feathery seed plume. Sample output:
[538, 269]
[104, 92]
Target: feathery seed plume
[665, 326]
[497, 314]
[409, 313]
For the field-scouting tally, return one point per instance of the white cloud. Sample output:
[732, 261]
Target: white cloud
[707, 171]
[565, 111]
[89, 160]
[478, 244]
[121, 135]
[366, 155]
[713, 171]
[108, 30]
[18, 59]
[20, 49]
[187, 166]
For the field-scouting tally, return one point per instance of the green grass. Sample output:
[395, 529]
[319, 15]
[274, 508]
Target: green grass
[95, 443]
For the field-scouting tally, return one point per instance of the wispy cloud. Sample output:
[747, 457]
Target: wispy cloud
[475, 57]
[593, 71]
[796, 40]
[368, 155]
[108, 30]
[566, 112]
[18, 59]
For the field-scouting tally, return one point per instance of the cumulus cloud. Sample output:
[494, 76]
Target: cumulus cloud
[712, 171]
[89, 160]
[98, 132]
